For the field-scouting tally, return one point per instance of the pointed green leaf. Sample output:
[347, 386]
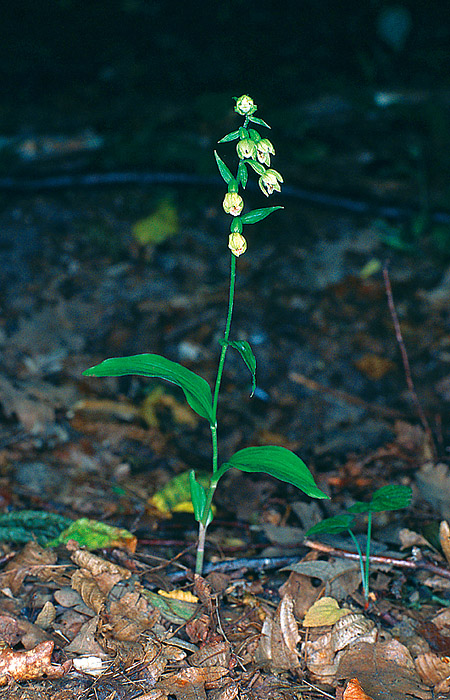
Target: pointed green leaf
[256, 120]
[331, 526]
[257, 167]
[198, 496]
[226, 174]
[196, 389]
[236, 225]
[247, 355]
[254, 135]
[255, 215]
[242, 174]
[243, 133]
[230, 137]
[276, 461]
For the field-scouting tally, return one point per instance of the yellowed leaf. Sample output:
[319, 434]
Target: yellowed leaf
[179, 595]
[325, 611]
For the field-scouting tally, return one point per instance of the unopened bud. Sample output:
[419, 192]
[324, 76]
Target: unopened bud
[233, 203]
[245, 105]
[237, 243]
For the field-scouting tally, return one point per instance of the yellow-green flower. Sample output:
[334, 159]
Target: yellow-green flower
[237, 243]
[270, 181]
[233, 203]
[264, 150]
[246, 148]
[245, 105]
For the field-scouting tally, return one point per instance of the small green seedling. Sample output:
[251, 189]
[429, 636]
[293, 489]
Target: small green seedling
[254, 153]
[391, 497]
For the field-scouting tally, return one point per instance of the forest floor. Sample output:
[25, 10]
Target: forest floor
[86, 275]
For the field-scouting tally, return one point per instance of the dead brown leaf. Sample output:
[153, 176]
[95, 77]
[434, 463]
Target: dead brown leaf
[213, 654]
[279, 638]
[30, 665]
[434, 671]
[33, 560]
[190, 683]
[385, 670]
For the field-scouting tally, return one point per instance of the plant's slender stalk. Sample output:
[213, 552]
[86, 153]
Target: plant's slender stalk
[203, 526]
[369, 537]
[361, 563]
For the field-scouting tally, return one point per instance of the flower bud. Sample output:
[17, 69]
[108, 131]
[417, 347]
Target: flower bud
[270, 181]
[233, 203]
[264, 150]
[245, 105]
[237, 243]
[246, 148]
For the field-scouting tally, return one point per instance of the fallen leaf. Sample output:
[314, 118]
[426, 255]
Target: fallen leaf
[33, 560]
[92, 534]
[30, 665]
[341, 577]
[325, 611]
[433, 669]
[385, 670]
[354, 691]
[279, 638]
[160, 225]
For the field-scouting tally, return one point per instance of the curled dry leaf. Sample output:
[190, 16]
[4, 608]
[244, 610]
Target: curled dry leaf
[354, 691]
[86, 585]
[351, 628]
[30, 665]
[106, 573]
[279, 638]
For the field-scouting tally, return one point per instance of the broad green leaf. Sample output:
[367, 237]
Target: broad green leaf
[230, 137]
[276, 461]
[257, 214]
[257, 167]
[390, 497]
[331, 526]
[256, 120]
[242, 174]
[196, 389]
[247, 355]
[243, 133]
[223, 169]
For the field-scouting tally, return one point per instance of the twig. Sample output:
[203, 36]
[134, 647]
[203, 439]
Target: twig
[380, 559]
[405, 360]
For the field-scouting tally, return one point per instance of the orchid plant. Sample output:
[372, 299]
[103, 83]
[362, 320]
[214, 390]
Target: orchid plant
[254, 153]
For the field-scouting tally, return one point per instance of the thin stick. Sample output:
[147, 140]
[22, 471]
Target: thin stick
[380, 559]
[405, 360]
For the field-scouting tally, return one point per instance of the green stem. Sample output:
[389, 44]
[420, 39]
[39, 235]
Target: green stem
[203, 526]
[369, 535]
[361, 564]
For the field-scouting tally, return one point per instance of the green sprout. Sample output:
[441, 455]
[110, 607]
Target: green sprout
[391, 497]
[254, 153]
